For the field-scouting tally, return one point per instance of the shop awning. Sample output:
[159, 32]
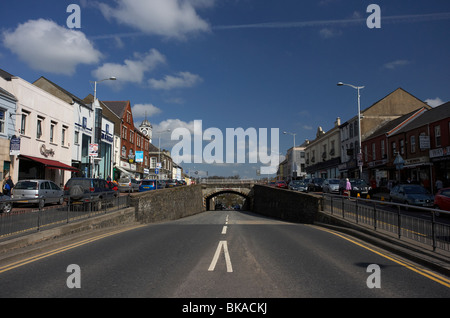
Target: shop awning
[50, 164]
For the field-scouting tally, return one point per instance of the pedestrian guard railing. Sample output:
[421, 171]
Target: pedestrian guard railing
[18, 218]
[427, 227]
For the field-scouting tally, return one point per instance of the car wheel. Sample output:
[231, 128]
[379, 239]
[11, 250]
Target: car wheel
[61, 201]
[41, 204]
[7, 207]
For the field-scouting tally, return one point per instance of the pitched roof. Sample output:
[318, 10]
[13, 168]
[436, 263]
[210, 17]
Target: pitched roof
[7, 76]
[117, 107]
[432, 115]
[392, 125]
[69, 94]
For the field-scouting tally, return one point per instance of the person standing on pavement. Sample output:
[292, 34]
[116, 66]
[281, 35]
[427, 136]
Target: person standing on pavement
[9, 184]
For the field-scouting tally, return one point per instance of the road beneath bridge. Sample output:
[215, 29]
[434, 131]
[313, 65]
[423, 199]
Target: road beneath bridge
[226, 254]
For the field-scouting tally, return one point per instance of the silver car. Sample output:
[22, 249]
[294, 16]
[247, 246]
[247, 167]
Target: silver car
[330, 186]
[37, 191]
[128, 185]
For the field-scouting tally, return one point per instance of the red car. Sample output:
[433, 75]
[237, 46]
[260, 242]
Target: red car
[442, 199]
[281, 184]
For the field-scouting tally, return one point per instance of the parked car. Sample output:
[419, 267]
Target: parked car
[297, 185]
[330, 186]
[147, 185]
[172, 183]
[5, 203]
[442, 199]
[128, 184]
[37, 191]
[85, 189]
[281, 184]
[412, 194]
[359, 186]
[315, 184]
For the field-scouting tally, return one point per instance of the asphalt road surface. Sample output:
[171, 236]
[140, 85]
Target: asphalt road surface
[220, 254]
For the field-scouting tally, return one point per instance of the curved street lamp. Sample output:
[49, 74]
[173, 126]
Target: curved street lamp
[358, 88]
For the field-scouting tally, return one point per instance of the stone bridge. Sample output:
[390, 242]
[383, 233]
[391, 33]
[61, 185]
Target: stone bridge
[214, 187]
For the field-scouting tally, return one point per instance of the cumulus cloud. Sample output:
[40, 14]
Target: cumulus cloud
[181, 80]
[394, 64]
[433, 102]
[144, 110]
[168, 18]
[46, 46]
[132, 70]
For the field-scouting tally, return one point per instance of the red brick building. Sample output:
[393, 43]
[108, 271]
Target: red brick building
[132, 140]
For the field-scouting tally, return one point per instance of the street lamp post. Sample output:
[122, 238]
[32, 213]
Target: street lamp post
[293, 148]
[159, 150]
[358, 88]
[112, 78]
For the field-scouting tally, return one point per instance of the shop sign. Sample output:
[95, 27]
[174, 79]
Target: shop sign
[424, 142]
[415, 161]
[93, 150]
[14, 146]
[46, 152]
[440, 152]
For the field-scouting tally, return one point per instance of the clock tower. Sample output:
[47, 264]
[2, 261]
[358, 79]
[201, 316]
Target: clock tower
[146, 128]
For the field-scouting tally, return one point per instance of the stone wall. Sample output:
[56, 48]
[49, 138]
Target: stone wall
[284, 204]
[167, 204]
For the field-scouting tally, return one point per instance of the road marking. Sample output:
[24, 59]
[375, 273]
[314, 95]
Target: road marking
[216, 257]
[63, 249]
[224, 229]
[426, 273]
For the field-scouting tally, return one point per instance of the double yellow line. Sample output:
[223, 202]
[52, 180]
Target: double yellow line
[63, 249]
[424, 272]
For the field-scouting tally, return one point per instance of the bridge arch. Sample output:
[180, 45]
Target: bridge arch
[208, 197]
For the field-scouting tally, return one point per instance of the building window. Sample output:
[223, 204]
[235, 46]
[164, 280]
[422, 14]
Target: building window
[23, 122]
[2, 121]
[152, 162]
[63, 135]
[366, 155]
[413, 144]
[39, 126]
[52, 131]
[77, 137]
[394, 149]
[402, 147]
[383, 150]
[374, 154]
[437, 135]
[124, 132]
[124, 151]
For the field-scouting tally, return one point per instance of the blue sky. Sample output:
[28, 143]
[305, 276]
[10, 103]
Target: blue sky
[233, 63]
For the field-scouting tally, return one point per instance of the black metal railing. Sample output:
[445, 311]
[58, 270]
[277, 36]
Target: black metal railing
[27, 218]
[428, 227]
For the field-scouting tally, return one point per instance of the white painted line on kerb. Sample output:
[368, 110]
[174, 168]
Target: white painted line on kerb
[224, 229]
[216, 257]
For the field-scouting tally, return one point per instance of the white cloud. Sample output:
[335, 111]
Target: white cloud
[46, 46]
[132, 70]
[168, 18]
[327, 33]
[181, 80]
[145, 110]
[394, 64]
[434, 102]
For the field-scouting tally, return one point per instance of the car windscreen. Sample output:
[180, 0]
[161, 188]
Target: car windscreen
[26, 185]
[124, 180]
[415, 190]
[148, 182]
[84, 183]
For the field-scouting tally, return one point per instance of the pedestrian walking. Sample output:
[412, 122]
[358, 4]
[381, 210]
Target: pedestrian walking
[348, 187]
